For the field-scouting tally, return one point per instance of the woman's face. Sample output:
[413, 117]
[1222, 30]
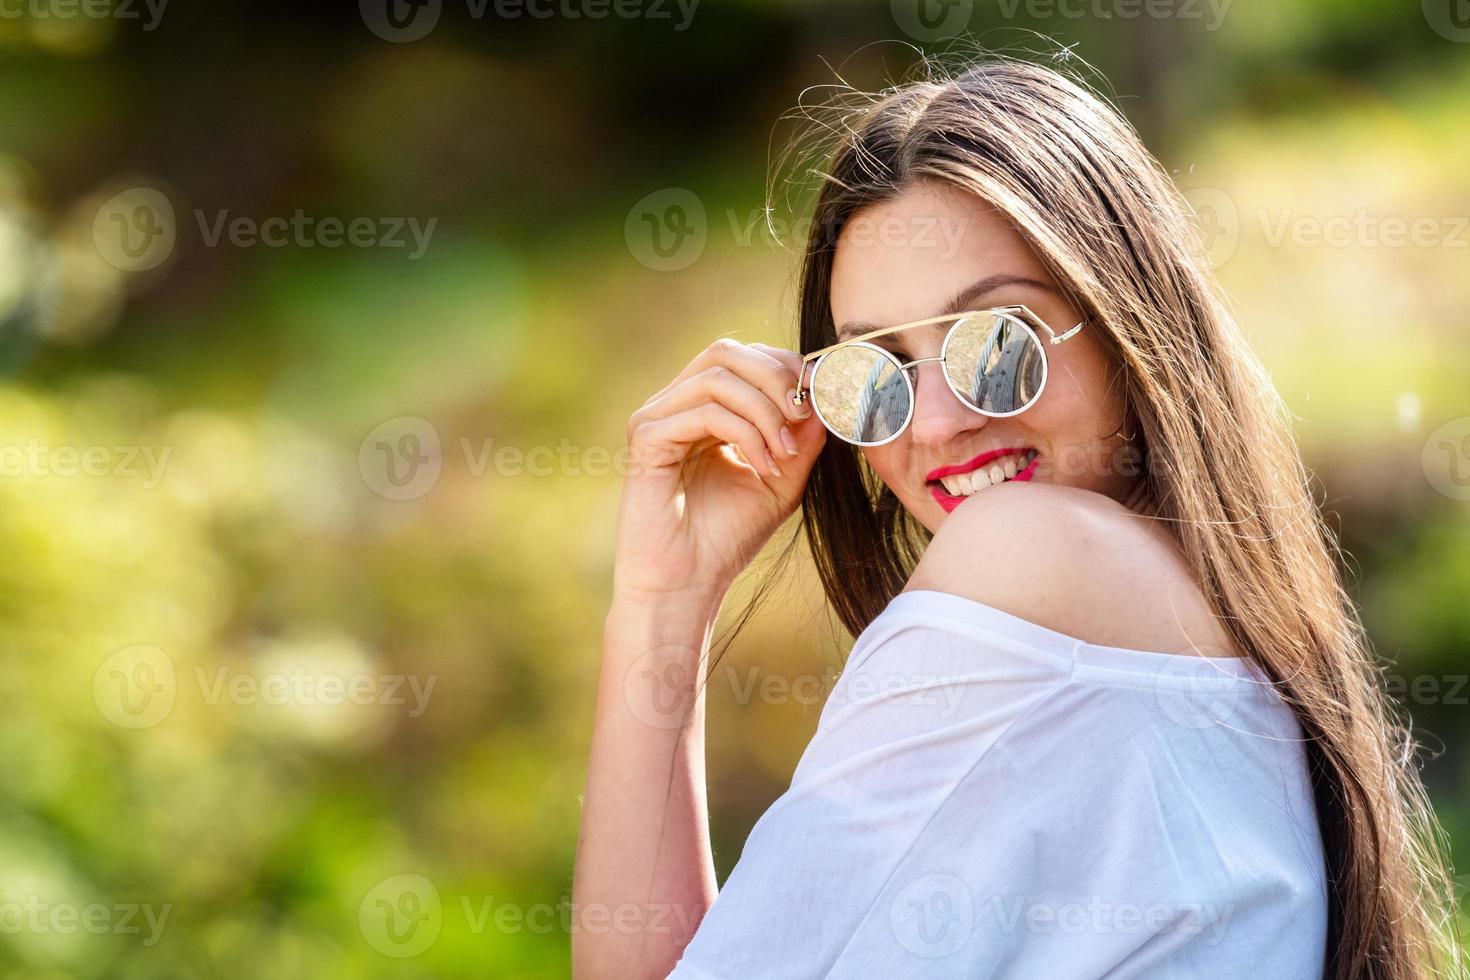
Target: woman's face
[935, 250]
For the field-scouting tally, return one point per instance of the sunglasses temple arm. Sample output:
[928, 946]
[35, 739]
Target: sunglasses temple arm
[802, 388]
[1056, 338]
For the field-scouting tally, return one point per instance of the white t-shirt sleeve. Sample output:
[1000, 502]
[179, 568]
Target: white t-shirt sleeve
[984, 797]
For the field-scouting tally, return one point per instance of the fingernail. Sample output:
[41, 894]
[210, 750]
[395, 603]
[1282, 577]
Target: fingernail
[771, 462]
[801, 408]
[788, 441]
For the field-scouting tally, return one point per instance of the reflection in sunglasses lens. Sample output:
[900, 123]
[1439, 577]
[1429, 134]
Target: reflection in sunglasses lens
[994, 363]
[861, 394]
[992, 360]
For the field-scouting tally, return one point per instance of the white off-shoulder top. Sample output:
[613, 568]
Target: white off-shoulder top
[986, 797]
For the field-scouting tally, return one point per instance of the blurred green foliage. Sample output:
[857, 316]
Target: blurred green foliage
[190, 499]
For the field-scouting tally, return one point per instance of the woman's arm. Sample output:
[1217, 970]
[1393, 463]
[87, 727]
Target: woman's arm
[692, 514]
[645, 874]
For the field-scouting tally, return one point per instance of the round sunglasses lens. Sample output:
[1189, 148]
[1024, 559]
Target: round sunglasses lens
[861, 394]
[995, 363]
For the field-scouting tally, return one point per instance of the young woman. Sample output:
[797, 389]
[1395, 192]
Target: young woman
[1109, 711]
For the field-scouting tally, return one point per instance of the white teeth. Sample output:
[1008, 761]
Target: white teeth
[964, 484]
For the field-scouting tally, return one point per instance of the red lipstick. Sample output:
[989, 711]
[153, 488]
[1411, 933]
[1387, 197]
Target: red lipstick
[948, 501]
[988, 456]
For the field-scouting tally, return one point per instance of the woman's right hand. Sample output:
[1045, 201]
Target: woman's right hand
[694, 513]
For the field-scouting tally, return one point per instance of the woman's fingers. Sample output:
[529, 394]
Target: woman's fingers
[722, 385]
[758, 364]
[741, 393]
[793, 362]
[691, 426]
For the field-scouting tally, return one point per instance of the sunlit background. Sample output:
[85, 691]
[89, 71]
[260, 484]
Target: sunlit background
[319, 331]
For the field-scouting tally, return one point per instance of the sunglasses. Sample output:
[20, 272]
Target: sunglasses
[992, 359]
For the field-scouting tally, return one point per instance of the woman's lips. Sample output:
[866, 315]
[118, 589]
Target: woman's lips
[950, 501]
[984, 458]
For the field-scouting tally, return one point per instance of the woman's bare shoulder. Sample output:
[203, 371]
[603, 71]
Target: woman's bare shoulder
[1076, 562]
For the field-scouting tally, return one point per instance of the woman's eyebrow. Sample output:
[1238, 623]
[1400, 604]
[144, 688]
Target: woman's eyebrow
[963, 300]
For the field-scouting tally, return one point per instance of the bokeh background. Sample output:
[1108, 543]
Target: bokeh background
[306, 523]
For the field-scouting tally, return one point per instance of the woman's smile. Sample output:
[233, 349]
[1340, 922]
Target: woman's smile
[951, 485]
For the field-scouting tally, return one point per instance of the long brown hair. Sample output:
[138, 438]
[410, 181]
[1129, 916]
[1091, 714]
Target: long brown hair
[1221, 468]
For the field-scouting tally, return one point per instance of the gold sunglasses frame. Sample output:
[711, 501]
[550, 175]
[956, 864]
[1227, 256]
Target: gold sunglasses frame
[1018, 313]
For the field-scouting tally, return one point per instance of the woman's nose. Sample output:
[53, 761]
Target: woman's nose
[939, 416]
